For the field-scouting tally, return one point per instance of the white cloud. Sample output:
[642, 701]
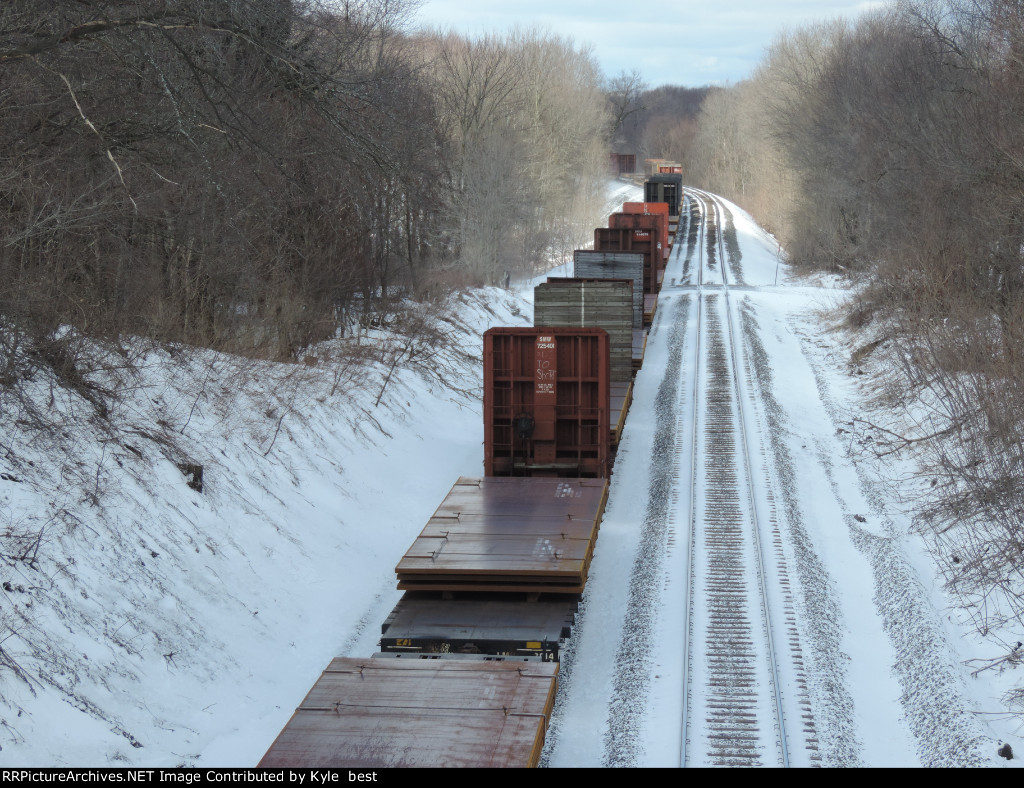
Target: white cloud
[689, 43]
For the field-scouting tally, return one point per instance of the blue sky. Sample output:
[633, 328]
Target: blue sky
[684, 43]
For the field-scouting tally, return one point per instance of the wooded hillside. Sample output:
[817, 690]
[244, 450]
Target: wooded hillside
[258, 175]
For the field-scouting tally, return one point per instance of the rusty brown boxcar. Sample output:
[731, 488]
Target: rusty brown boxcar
[623, 163]
[546, 399]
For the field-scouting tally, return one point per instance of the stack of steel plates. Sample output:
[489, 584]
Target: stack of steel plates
[588, 264]
[380, 713]
[533, 534]
[639, 347]
[621, 397]
[425, 623]
[650, 307]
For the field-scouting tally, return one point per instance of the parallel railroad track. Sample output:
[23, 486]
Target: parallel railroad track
[739, 691]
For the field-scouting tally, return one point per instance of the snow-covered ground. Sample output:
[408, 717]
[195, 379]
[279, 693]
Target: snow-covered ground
[147, 623]
[881, 664]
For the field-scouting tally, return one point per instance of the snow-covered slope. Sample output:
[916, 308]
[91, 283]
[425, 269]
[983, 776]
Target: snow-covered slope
[147, 623]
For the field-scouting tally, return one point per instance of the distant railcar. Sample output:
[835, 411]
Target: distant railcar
[667, 188]
[655, 222]
[623, 163]
[593, 264]
[628, 239]
[653, 208]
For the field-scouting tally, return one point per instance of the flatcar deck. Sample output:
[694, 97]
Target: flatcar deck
[382, 713]
[650, 307]
[508, 534]
[621, 397]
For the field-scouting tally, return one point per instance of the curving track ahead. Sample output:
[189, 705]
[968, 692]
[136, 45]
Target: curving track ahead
[703, 600]
[728, 678]
[743, 693]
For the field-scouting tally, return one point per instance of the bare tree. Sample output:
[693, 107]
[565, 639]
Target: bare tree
[625, 95]
[527, 158]
[903, 137]
[227, 172]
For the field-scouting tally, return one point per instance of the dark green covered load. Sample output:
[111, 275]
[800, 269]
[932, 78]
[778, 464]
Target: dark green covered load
[666, 187]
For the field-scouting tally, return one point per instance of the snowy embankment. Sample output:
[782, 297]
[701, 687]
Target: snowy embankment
[148, 623]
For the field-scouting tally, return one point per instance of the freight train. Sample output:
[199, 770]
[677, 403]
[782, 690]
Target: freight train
[468, 663]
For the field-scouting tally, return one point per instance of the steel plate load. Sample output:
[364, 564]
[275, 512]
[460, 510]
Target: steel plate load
[604, 303]
[591, 264]
[425, 624]
[533, 535]
[383, 713]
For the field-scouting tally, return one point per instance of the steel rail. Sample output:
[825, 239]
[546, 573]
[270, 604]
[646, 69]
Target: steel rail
[761, 561]
[691, 539]
[708, 204]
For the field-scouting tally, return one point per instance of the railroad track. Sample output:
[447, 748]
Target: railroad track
[744, 692]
